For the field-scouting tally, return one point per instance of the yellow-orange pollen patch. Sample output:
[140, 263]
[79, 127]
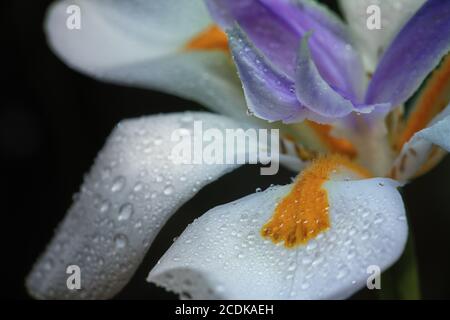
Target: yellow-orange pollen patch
[212, 38]
[304, 212]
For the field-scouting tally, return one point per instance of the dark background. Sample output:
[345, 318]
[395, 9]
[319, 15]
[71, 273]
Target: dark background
[53, 121]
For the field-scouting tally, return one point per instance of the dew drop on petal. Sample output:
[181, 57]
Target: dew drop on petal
[104, 206]
[125, 212]
[138, 187]
[168, 190]
[120, 241]
[118, 184]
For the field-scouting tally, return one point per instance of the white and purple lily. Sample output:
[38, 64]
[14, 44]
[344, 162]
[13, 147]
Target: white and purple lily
[297, 63]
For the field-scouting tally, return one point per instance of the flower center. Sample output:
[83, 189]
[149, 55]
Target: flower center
[335, 145]
[212, 38]
[304, 212]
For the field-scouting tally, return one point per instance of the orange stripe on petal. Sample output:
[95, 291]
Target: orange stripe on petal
[432, 100]
[212, 38]
[435, 157]
[304, 212]
[335, 145]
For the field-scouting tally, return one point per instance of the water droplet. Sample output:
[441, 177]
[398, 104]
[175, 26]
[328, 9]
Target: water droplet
[120, 241]
[106, 173]
[125, 212]
[305, 286]
[138, 187]
[104, 206]
[292, 266]
[118, 184]
[48, 265]
[342, 273]
[311, 246]
[168, 190]
[365, 236]
[317, 261]
[220, 289]
[378, 220]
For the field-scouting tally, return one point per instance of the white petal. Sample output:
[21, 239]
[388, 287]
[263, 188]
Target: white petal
[372, 43]
[119, 32]
[130, 192]
[439, 132]
[139, 43]
[222, 255]
[416, 152]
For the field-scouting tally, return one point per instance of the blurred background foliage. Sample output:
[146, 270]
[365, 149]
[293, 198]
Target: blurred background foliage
[53, 121]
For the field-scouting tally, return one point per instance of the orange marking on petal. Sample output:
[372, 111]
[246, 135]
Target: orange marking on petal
[304, 212]
[212, 38]
[434, 158]
[433, 100]
[335, 145]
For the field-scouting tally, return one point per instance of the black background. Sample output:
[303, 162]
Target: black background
[53, 121]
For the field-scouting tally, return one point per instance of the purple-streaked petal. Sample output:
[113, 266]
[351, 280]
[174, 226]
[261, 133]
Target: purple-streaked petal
[415, 52]
[270, 94]
[266, 29]
[313, 91]
[372, 43]
[325, 17]
[276, 28]
[331, 49]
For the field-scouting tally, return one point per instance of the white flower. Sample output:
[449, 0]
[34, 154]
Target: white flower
[264, 246]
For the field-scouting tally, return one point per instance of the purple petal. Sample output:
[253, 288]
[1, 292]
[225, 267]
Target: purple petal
[313, 91]
[267, 31]
[276, 27]
[415, 52]
[316, 94]
[269, 93]
[336, 60]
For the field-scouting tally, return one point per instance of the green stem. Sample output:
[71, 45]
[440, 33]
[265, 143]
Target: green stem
[401, 281]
